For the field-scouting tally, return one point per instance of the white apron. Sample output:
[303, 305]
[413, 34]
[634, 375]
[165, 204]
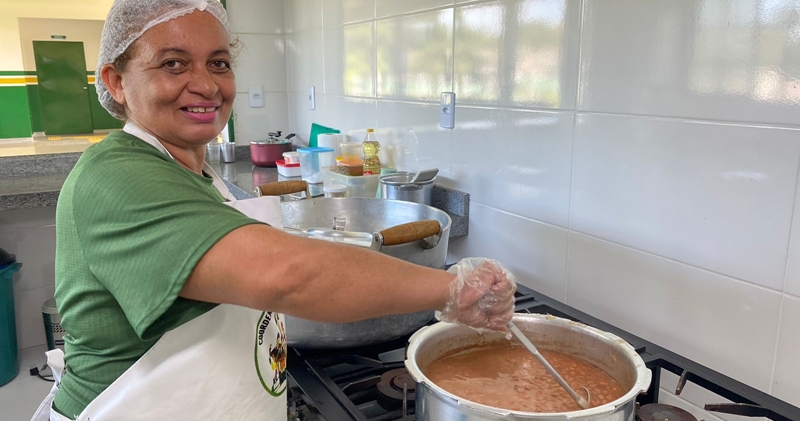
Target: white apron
[228, 364]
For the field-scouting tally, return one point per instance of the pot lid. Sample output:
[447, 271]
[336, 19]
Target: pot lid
[403, 179]
[661, 412]
[270, 142]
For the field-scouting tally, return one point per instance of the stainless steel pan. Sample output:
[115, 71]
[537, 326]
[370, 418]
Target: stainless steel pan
[366, 215]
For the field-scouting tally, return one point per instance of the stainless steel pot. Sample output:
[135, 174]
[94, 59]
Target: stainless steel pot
[398, 186]
[601, 349]
[365, 215]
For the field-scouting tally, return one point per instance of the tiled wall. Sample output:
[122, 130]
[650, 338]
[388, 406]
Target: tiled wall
[259, 27]
[30, 234]
[638, 160]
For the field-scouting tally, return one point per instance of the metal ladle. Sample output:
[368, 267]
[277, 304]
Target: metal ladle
[583, 403]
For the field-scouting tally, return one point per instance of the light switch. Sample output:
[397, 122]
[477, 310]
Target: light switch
[448, 110]
[312, 98]
[256, 94]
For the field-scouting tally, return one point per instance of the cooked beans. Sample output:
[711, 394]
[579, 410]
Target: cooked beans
[510, 377]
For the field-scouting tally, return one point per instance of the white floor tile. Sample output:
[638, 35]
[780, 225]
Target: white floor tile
[20, 397]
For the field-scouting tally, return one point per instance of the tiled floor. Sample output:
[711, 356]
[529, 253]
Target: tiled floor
[20, 398]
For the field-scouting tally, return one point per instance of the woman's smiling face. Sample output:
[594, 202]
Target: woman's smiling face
[178, 83]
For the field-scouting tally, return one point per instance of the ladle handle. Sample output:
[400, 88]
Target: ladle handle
[527, 343]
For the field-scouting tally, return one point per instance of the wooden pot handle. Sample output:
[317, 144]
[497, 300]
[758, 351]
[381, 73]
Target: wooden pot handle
[280, 188]
[412, 231]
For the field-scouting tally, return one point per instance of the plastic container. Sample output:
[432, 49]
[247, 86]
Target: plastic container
[52, 325]
[291, 158]
[9, 359]
[312, 160]
[351, 153]
[363, 186]
[288, 170]
[335, 190]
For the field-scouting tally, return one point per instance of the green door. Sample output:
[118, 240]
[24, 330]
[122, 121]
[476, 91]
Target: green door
[63, 89]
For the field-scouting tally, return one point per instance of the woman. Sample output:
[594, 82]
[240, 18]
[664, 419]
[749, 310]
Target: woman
[162, 287]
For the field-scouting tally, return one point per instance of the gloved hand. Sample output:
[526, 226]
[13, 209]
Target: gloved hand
[481, 296]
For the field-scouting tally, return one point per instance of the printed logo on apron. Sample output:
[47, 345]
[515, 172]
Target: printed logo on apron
[271, 352]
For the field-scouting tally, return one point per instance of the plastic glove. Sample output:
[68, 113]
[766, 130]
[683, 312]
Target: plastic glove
[481, 296]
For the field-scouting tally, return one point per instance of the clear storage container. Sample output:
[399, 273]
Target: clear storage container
[358, 186]
[312, 160]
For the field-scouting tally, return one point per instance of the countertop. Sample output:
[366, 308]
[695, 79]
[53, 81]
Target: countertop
[35, 181]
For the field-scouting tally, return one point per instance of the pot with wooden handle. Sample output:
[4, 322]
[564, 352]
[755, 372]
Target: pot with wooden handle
[409, 231]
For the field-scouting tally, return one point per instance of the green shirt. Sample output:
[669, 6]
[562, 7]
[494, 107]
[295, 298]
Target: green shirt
[131, 224]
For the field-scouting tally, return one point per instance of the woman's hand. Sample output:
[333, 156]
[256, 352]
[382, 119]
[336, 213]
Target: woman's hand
[481, 295]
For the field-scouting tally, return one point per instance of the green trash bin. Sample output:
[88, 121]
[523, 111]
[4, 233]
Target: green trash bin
[9, 358]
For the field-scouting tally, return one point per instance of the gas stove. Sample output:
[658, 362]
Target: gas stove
[371, 384]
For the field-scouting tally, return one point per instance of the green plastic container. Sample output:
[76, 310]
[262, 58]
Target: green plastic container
[9, 358]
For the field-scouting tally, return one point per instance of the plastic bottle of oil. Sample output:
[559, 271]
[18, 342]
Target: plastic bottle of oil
[371, 147]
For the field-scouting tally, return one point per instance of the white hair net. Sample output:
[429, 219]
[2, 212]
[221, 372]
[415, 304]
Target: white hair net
[129, 19]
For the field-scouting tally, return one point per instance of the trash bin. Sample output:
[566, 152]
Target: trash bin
[9, 359]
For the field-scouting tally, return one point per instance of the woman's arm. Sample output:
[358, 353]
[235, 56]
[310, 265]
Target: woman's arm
[263, 268]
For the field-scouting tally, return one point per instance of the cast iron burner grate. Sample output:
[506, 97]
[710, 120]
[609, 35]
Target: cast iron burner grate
[366, 384]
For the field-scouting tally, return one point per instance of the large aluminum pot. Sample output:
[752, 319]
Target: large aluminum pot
[601, 349]
[365, 215]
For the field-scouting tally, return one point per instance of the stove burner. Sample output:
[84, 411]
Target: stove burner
[661, 412]
[390, 388]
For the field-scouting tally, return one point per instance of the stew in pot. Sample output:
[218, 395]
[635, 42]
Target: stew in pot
[509, 377]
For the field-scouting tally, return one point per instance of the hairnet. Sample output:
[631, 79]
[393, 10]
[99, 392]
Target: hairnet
[128, 20]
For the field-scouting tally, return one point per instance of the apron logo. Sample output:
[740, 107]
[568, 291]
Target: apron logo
[270, 353]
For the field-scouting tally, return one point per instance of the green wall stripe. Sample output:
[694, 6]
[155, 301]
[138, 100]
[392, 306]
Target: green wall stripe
[35, 108]
[14, 120]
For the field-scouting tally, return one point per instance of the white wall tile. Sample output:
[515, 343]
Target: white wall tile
[301, 117]
[261, 62]
[338, 12]
[28, 309]
[415, 128]
[35, 248]
[534, 252]
[713, 59]
[352, 116]
[415, 55]
[518, 161]
[300, 15]
[254, 123]
[350, 60]
[256, 16]
[394, 7]
[792, 281]
[304, 61]
[787, 365]
[690, 311]
[711, 195]
[517, 53]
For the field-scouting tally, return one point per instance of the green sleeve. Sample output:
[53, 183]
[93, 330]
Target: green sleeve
[144, 222]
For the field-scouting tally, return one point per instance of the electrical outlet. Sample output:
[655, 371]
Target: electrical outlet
[447, 109]
[312, 98]
[256, 95]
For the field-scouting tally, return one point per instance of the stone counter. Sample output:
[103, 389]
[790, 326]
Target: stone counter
[35, 181]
